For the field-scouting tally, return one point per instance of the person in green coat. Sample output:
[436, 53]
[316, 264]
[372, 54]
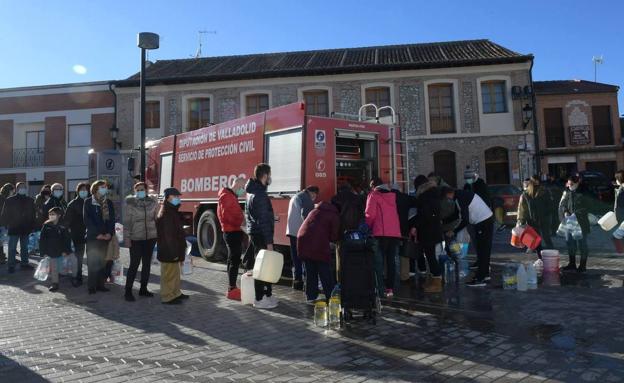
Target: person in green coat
[574, 202]
[534, 210]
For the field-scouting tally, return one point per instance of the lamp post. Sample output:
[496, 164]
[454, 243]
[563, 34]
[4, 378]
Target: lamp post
[114, 132]
[145, 41]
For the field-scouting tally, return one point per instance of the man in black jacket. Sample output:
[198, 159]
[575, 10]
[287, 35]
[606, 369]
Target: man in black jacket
[56, 200]
[18, 215]
[404, 203]
[6, 191]
[260, 226]
[74, 222]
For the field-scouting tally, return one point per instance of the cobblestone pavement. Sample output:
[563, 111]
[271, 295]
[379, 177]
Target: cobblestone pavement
[567, 333]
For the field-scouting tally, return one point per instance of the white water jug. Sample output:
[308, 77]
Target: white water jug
[521, 277]
[268, 266]
[608, 221]
[248, 292]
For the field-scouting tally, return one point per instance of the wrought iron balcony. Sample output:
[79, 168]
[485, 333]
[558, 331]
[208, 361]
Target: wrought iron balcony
[28, 158]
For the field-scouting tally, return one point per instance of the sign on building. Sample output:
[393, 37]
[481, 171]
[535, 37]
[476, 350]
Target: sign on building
[580, 135]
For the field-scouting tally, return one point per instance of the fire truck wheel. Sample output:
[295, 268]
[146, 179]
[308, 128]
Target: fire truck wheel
[209, 238]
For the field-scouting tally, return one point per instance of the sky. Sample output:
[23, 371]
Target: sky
[63, 41]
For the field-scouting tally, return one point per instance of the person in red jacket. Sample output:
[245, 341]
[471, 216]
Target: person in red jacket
[319, 229]
[231, 217]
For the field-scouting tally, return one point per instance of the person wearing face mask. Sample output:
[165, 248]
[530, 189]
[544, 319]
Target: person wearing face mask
[574, 202]
[171, 247]
[99, 218]
[139, 226]
[231, 219]
[40, 201]
[18, 215]
[298, 209]
[618, 206]
[55, 243]
[261, 226]
[57, 199]
[6, 191]
[74, 222]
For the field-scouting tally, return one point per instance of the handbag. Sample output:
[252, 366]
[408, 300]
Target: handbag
[112, 251]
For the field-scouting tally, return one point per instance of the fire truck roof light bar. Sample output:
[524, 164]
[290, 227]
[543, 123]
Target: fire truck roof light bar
[377, 110]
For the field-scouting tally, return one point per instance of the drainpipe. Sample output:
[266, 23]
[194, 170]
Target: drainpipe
[111, 88]
[538, 162]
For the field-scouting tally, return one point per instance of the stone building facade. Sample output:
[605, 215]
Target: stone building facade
[494, 143]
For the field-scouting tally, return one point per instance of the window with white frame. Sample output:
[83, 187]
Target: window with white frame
[256, 103]
[493, 96]
[152, 115]
[380, 96]
[198, 112]
[441, 108]
[79, 135]
[316, 102]
[35, 140]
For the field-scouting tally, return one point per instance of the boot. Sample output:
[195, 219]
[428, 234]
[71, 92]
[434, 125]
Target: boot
[143, 291]
[583, 265]
[571, 264]
[128, 296]
[433, 285]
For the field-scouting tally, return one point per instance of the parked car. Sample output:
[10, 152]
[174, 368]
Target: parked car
[600, 189]
[509, 196]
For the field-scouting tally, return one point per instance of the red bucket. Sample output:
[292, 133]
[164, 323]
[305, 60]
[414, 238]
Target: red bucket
[530, 238]
[619, 245]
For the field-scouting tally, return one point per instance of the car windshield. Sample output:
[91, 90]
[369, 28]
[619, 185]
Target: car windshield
[504, 190]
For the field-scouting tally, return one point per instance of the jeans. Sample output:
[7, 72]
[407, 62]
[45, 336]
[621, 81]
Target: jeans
[23, 240]
[573, 245]
[262, 288]
[234, 242]
[484, 232]
[297, 265]
[386, 251]
[140, 252]
[96, 255]
[79, 251]
[314, 271]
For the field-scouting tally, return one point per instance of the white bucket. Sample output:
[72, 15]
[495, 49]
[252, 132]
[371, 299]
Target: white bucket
[248, 291]
[608, 221]
[268, 266]
[551, 260]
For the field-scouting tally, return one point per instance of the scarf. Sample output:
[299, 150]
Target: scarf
[104, 204]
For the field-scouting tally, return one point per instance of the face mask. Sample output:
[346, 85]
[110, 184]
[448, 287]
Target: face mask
[141, 194]
[53, 217]
[573, 187]
[269, 180]
[83, 194]
[175, 201]
[240, 192]
[21, 192]
[470, 181]
[103, 191]
[58, 193]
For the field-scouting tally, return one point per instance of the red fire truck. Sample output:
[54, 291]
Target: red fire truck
[301, 150]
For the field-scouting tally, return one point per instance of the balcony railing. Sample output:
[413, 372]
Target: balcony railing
[28, 158]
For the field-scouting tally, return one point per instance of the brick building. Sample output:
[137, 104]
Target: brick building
[459, 103]
[579, 127]
[46, 132]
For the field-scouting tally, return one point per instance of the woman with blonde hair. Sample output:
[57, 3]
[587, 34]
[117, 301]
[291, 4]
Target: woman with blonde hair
[99, 218]
[534, 210]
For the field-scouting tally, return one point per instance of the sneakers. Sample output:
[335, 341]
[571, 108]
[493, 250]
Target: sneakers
[273, 300]
[129, 297]
[183, 296]
[389, 293]
[433, 285]
[234, 294]
[53, 288]
[265, 304]
[297, 285]
[476, 283]
[174, 301]
[145, 293]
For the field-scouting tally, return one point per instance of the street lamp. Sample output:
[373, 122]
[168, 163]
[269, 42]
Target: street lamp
[145, 41]
[527, 115]
[114, 133]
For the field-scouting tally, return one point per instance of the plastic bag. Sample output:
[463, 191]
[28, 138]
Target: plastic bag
[4, 235]
[33, 242]
[619, 233]
[69, 265]
[43, 270]
[463, 236]
[155, 256]
[119, 232]
[187, 266]
[117, 273]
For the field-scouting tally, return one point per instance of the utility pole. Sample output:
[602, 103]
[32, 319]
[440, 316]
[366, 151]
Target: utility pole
[597, 60]
[200, 34]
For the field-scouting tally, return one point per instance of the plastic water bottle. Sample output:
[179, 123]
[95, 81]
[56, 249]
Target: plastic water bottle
[335, 308]
[449, 272]
[531, 277]
[521, 277]
[539, 266]
[320, 313]
[464, 267]
[509, 277]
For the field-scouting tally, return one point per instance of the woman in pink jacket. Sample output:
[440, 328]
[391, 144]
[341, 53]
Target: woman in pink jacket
[383, 219]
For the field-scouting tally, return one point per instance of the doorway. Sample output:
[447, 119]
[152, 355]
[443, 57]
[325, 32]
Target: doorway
[356, 159]
[445, 166]
[497, 166]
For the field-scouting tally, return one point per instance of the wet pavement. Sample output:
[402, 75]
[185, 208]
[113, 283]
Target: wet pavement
[572, 332]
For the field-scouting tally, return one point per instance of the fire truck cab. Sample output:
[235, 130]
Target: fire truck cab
[301, 150]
